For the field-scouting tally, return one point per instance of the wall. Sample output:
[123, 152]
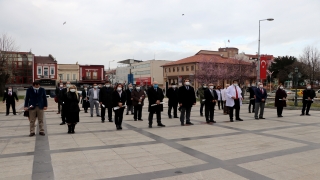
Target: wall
[71, 69]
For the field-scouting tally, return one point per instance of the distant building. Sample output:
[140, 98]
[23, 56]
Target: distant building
[123, 69]
[228, 52]
[110, 75]
[91, 74]
[68, 72]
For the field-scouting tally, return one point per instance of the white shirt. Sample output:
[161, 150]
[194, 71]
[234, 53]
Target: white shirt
[95, 94]
[231, 92]
[219, 93]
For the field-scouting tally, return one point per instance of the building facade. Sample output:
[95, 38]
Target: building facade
[91, 74]
[68, 72]
[110, 75]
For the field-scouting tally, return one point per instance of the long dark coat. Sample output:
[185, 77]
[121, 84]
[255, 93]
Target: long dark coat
[84, 100]
[128, 93]
[172, 95]
[105, 96]
[186, 97]
[308, 93]
[280, 94]
[136, 96]
[153, 96]
[116, 99]
[71, 108]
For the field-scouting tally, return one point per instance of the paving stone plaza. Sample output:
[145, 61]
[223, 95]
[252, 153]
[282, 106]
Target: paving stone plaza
[274, 148]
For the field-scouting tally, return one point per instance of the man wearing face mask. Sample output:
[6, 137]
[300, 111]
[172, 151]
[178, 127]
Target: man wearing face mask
[129, 99]
[58, 90]
[252, 99]
[186, 100]
[94, 99]
[308, 95]
[234, 100]
[200, 94]
[85, 99]
[36, 103]
[9, 97]
[62, 96]
[155, 97]
[280, 100]
[172, 95]
[224, 98]
[105, 99]
[219, 99]
[138, 97]
[211, 97]
[260, 101]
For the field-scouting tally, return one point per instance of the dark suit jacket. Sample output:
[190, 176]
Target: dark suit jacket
[259, 95]
[280, 94]
[116, 99]
[105, 96]
[186, 97]
[251, 91]
[136, 95]
[9, 99]
[62, 95]
[209, 98]
[32, 98]
[153, 96]
[128, 93]
[172, 94]
[308, 93]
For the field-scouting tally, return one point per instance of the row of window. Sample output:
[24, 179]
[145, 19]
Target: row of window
[177, 69]
[141, 66]
[44, 70]
[141, 72]
[20, 80]
[18, 64]
[67, 78]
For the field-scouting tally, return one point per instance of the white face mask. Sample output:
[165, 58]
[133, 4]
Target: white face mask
[138, 88]
[309, 87]
[72, 90]
[95, 87]
[85, 89]
[10, 90]
[61, 85]
[235, 84]
[205, 86]
[68, 85]
[281, 87]
[211, 87]
[261, 86]
[187, 83]
[107, 85]
[130, 88]
[35, 88]
[119, 89]
[174, 86]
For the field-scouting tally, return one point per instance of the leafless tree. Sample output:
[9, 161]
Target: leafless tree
[7, 45]
[311, 58]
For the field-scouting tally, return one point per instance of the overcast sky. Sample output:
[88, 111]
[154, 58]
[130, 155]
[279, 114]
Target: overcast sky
[98, 31]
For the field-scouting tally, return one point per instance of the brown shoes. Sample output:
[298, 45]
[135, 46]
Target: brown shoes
[31, 134]
[41, 133]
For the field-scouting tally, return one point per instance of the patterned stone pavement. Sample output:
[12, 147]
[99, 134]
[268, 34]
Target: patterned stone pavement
[274, 148]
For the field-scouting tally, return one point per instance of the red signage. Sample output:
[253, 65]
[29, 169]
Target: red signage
[263, 67]
[143, 81]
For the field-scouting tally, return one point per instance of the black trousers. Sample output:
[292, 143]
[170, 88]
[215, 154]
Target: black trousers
[209, 111]
[306, 106]
[151, 117]
[201, 108]
[118, 116]
[279, 110]
[13, 106]
[237, 109]
[252, 102]
[63, 113]
[220, 102]
[173, 106]
[103, 113]
[59, 110]
[137, 112]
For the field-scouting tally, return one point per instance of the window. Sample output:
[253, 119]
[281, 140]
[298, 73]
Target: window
[88, 75]
[187, 68]
[61, 77]
[68, 77]
[169, 69]
[74, 77]
[45, 71]
[165, 70]
[182, 68]
[192, 68]
[19, 64]
[95, 75]
[177, 69]
[173, 69]
[39, 70]
[51, 70]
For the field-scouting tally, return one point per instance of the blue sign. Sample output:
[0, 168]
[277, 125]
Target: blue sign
[130, 78]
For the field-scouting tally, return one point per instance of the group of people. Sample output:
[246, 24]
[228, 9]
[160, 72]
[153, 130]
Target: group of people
[183, 98]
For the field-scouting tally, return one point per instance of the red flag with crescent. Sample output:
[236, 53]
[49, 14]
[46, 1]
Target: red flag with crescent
[263, 67]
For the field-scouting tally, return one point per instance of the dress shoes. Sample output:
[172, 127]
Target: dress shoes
[256, 118]
[150, 126]
[201, 114]
[31, 134]
[262, 118]
[140, 119]
[127, 113]
[176, 117]
[239, 119]
[308, 114]
[189, 123]
[182, 124]
[91, 115]
[135, 119]
[231, 120]
[98, 115]
[280, 116]
[301, 114]
[213, 121]
[118, 128]
[170, 117]
[161, 125]
[110, 121]
[58, 112]
[7, 114]
[42, 133]
[102, 121]
[63, 123]
[14, 114]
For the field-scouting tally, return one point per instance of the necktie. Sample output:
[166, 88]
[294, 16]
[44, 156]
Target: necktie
[187, 87]
[236, 92]
[155, 89]
[211, 93]
[261, 91]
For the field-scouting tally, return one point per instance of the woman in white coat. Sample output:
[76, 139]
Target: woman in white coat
[234, 100]
[224, 98]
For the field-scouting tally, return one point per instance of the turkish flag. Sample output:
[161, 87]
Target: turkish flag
[263, 67]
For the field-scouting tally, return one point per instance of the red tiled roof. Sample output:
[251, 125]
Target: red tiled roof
[44, 59]
[205, 57]
[255, 56]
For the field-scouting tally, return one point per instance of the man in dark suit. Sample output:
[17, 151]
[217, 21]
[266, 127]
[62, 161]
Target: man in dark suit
[36, 102]
[308, 95]
[252, 101]
[58, 90]
[261, 97]
[8, 98]
[105, 100]
[62, 96]
[172, 95]
[186, 100]
[85, 99]
[155, 97]
[129, 99]
[211, 98]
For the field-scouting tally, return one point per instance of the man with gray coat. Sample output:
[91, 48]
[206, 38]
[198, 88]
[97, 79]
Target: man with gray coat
[94, 99]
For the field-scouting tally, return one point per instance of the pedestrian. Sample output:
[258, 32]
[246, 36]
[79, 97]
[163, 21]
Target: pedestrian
[219, 99]
[260, 101]
[234, 100]
[85, 99]
[72, 109]
[186, 100]
[172, 95]
[308, 95]
[36, 102]
[211, 98]
[280, 100]
[56, 98]
[9, 98]
[200, 93]
[94, 99]
[138, 97]
[62, 96]
[252, 99]
[105, 100]
[129, 99]
[224, 98]
[155, 97]
[118, 102]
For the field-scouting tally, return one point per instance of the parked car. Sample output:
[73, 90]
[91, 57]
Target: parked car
[299, 92]
[290, 94]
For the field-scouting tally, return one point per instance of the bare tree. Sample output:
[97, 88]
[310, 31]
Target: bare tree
[311, 58]
[7, 45]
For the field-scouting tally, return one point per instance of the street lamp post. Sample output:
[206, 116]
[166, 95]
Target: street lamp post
[109, 63]
[295, 77]
[258, 74]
